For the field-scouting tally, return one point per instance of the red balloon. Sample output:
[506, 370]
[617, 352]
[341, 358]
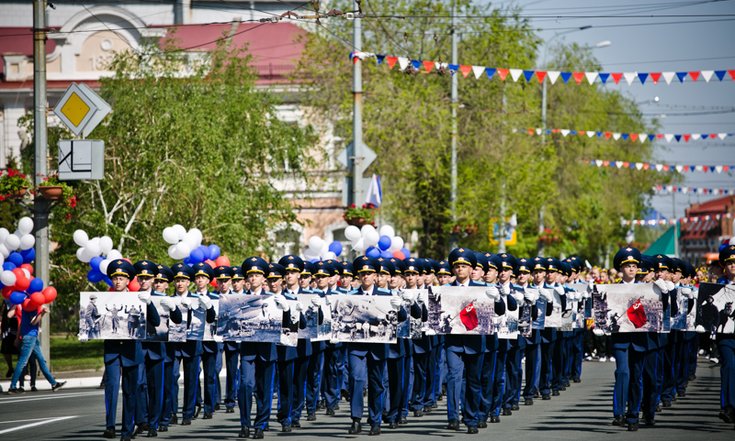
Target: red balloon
[134, 285]
[21, 281]
[398, 255]
[29, 305]
[38, 298]
[222, 261]
[49, 294]
[7, 291]
[27, 266]
[213, 283]
[210, 262]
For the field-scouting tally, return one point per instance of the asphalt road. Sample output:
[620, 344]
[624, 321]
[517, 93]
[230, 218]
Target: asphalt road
[581, 412]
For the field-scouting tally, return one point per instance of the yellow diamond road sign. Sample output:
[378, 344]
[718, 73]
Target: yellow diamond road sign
[81, 109]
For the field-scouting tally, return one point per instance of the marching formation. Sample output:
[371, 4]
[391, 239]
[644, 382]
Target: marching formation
[482, 377]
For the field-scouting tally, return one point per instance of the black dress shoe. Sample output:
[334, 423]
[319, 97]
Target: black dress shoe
[649, 421]
[355, 428]
[207, 416]
[577, 380]
[330, 411]
[295, 425]
[555, 393]
[286, 428]
[528, 402]
[482, 425]
[507, 412]
[244, 432]
[545, 397]
[666, 404]
[186, 422]
[494, 419]
[632, 427]
[472, 430]
[197, 411]
[402, 420]
[174, 421]
[217, 407]
[126, 438]
[230, 410]
[163, 428]
[515, 407]
[453, 425]
[658, 407]
[562, 388]
[152, 433]
[374, 431]
[142, 428]
[311, 417]
[618, 421]
[418, 413]
[109, 433]
[393, 425]
[258, 434]
[428, 409]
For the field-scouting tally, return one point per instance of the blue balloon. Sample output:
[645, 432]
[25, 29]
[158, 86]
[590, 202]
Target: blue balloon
[336, 247]
[17, 297]
[187, 260]
[95, 263]
[15, 258]
[386, 254]
[205, 252]
[28, 255]
[95, 276]
[107, 280]
[214, 251]
[406, 252]
[36, 285]
[384, 243]
[9, 266]
[196, 256]
[372, 252]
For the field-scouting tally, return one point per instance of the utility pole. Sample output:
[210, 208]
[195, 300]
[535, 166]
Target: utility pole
[40, 205]
[455, 134]
[356, 154]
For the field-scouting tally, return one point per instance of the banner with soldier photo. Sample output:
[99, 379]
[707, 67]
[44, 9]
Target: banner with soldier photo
[540, 321]
[465, 310]
[414, 326]
[160, 332]
[506, 325]
[193, 320]
[364, 319]
[628, 308]
[686, 311]
[210, 329]
[254, 318]
[434, 307]
[318, 316]
[557, 318]
[715, 304]
[111, 316]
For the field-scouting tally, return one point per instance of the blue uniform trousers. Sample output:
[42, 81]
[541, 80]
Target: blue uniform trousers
[421, 377]
[314, 380]
[154, 385]
[114, 370]
[409, 378]
[547, 366]
[498, 385]
[169, 384]
[395, 381]
[301, 370]
[559, 357]
[513, 374]
[628, 389]
[365, 370]
[141, 396]
[467, 367]
[533, 370]
[209, 364]
[232, 358]
[668, 392]
[577, 354]
[333, 368]
[726, 346]
[191, 376]
[650, 392]
[259, 386]
[285, 391]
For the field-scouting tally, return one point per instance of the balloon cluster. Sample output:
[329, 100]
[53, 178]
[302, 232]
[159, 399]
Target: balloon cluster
[374, 243]
[187, 246]
[98, 252]
[18, 285]
[319, 249]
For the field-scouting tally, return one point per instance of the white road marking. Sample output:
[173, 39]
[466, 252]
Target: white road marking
[38, 423]
[27, 399]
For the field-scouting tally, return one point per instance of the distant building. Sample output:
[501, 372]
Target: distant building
[84, 36]
[709, 223]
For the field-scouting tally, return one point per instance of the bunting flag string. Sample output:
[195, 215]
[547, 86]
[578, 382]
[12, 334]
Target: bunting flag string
[663, 167]
[579, 77]
[668, 189]
[623, 136]
[682, 220]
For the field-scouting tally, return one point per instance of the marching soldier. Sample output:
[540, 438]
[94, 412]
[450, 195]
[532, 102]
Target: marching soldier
[726, 345]
[164, 276]
[203, 275]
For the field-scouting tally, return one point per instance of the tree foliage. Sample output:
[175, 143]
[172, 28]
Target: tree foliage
[407, 121]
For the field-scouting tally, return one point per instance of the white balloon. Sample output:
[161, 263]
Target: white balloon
[352, 233]
[27, 241]
[114, 254]
[316, 242]
[182, 250]
[105, 244]
[2, 259]
[170, 236]
[396, 243]
[196, 233]
[12, 242]
[8, 278]
[81, 238]
[82, 256]
[4, 251]
[365, 228]
[104, 264]
[25, 225]
[4, 233]
[359, 246]
[90, 253]
[180, 231]
[387, 230]
[371, 238]
[330, 255]
[93, 247]
[171, 251]
[26, 273]
[324, 250]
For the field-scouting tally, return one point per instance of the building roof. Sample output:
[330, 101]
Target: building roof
[721, 205]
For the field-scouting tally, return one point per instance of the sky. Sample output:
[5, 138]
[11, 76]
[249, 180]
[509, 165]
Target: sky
[668, 41]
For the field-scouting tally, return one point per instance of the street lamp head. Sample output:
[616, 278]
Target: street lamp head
[584, 28]
[603, 43]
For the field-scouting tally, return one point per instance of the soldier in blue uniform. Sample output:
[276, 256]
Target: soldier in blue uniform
[123, 359]
[550, 335]
[203, 275]
[231, 348]
[726, 346]
[517, 347]
[533, 343]
[334, 352]
[367, 361]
